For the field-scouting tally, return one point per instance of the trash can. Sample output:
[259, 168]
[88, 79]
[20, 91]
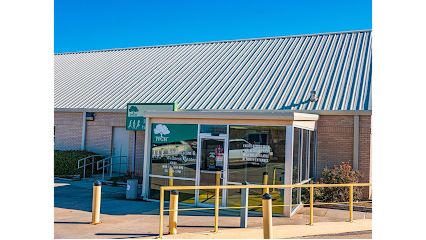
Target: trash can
[132, 189]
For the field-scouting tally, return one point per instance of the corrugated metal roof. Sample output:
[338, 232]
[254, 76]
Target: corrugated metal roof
[269, 73]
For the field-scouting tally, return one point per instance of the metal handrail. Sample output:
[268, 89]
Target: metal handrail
[217, 187]
[84, 165]
[86, 159]
[110, 163]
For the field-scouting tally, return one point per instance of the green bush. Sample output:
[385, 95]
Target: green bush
[66, 162]
[339, 174]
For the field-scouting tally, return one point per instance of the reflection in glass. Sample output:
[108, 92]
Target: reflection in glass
[254, 150]
[185, 196]
[214, 129]
[174, 159]
[211, 165]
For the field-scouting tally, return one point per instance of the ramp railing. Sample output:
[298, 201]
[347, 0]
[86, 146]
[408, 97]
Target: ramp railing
[82, 163]
[108, 162]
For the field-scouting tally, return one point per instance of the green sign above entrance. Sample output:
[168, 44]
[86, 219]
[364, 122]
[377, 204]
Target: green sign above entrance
[134, 117]
[168, 133]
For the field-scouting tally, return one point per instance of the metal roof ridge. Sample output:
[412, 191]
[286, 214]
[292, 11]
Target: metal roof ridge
[211, 42]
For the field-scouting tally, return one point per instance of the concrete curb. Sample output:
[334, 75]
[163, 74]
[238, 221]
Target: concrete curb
[283, 231]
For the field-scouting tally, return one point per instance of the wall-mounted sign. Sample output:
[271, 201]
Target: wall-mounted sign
[168, 133]
[134, 117]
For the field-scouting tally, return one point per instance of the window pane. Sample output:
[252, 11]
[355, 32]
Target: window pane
[254, 150]
[185, 196]
[174, 150]
[213, 129]
[296, 156]
[304, 154]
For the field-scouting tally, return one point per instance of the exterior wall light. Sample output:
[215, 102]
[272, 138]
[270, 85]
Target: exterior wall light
[90, 116]
[313, 97]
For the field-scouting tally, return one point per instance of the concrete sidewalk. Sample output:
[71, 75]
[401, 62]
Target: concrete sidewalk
[123, 218]
[281, 231]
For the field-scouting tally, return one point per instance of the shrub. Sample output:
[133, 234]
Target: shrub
[66, 162]
[339, 174]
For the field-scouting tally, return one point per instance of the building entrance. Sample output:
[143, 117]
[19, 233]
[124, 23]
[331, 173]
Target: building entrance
[212, 160]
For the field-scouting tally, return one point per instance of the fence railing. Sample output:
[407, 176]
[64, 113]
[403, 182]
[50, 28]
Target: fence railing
[266, 189]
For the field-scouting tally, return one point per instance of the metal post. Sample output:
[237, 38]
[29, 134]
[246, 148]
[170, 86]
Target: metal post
[273, 182]
[267, 216]
[110, 174]
[84, 169]
[174, 197]
[216, 210]
[96, 202]
[170, 175]
[311, 206]
[265, 182]
[244, 203]
[217, 178]
[351, 203]
[160, 234]
[119, 165]
[103, 169]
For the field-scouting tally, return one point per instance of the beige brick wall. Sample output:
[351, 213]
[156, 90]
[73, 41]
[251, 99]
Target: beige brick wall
[335, 144]
[68, 128]
[98, 135]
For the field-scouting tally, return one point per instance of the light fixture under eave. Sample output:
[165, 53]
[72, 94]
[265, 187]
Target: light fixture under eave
[313, 97]
[90, 116]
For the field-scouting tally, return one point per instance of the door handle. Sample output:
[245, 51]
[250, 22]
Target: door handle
[222, 172]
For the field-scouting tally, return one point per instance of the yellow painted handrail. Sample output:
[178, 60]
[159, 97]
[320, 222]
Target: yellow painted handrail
[218, 187]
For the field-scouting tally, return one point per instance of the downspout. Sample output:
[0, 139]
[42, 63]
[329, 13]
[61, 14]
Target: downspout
[356, 142]
[83, 133]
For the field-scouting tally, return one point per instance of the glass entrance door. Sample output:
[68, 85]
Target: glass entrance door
[212, 164]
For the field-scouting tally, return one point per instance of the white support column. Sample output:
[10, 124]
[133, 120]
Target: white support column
[289, 136]
[146, 159]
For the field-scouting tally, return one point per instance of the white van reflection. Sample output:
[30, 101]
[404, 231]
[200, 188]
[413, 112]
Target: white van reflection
[182, 151]
[242, 151]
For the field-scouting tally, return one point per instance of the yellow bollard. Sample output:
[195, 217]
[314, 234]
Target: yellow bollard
[160, 233]
[267, 216]
[217, 178]
[174, 199]
[351, 203]
[216, 210]
[265, 182]
[311, 206]
[170, 175]
[96, 202]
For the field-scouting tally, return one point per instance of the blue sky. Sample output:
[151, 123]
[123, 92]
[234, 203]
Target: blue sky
[84, 25]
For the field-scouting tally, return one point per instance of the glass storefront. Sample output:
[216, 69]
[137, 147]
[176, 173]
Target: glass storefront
[202, 155]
